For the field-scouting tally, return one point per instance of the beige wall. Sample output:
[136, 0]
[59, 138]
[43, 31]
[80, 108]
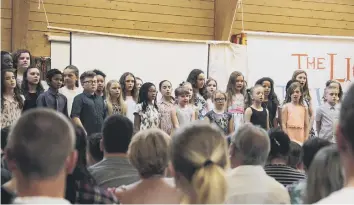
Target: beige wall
[323, 17]
[188, 19]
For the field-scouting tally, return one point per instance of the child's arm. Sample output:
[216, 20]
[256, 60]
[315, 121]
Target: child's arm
[174, 119]
[231, 125]
[318, 120]
[284, 117]
[248, 114]
[307, 124]
[278, 116]
[310, 115]
[76, 111]
[194, 115]
[66, 107]
[267, 119]
[41, 101]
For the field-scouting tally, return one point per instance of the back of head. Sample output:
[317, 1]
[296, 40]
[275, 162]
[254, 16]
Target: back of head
[39, 149]
[279, 144]
[346, 120]
[294, 155]
[310, 149]
[149, 152]
[325, 175]
[199, 158]
[117, 133]
[93, 146]
[251, 145]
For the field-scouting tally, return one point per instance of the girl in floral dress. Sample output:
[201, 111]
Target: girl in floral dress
[236, 92]
[165, 106]
[11, 100]
[197, 79]
[146, 114]
[114, 99]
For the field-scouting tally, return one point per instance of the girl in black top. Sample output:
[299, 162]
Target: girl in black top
[255, 113]
[31, 87]
[270, 101]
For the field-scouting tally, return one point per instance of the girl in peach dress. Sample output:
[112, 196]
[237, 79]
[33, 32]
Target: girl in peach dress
[295, 114]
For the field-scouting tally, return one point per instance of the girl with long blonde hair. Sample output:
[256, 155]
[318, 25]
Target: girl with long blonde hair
[114, 98]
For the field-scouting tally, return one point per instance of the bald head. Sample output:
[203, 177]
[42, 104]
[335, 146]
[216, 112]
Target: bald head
[251, 144]
[40, 142]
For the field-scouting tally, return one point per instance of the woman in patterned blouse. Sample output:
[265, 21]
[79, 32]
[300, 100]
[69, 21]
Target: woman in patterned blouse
[114, 98]
[11, 100]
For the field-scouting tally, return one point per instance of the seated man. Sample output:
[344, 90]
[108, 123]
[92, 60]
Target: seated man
[248, 182]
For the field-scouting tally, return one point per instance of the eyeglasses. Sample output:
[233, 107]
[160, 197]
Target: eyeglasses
[219, 99]
[91, 82]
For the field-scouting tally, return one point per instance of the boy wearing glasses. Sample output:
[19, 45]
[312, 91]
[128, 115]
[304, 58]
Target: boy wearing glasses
[89, 109]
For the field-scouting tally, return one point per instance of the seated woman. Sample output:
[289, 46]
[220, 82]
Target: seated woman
[149, 154]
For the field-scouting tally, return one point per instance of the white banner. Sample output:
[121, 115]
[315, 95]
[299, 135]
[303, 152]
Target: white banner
[224, 59]
[279, 55]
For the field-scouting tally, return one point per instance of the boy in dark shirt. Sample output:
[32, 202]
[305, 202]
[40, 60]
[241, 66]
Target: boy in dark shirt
[89, 109]
[52, 98]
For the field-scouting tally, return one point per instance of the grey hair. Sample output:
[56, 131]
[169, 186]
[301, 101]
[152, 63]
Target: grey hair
[40, 142]
[252, 145]
[325, 175]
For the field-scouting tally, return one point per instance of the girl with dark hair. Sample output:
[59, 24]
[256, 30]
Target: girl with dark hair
[22, 59]
[197, 78]
[71, 85]
[270, 100]
[277, 166]
[129, 92]
[11, 100]
[31, 87]
[301, 77]
[295, 114]
[146, 114]
[6, 60]
[166, 106]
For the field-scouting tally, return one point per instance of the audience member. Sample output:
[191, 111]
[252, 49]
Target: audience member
[277, 166]
[149, 154]
[115, 170]
[81, 187]
[199, 160]
[345, 143]
[248, 182]
[308, 151]
[324, 176]
[40, 156]
[94, 151]
[295, 156]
